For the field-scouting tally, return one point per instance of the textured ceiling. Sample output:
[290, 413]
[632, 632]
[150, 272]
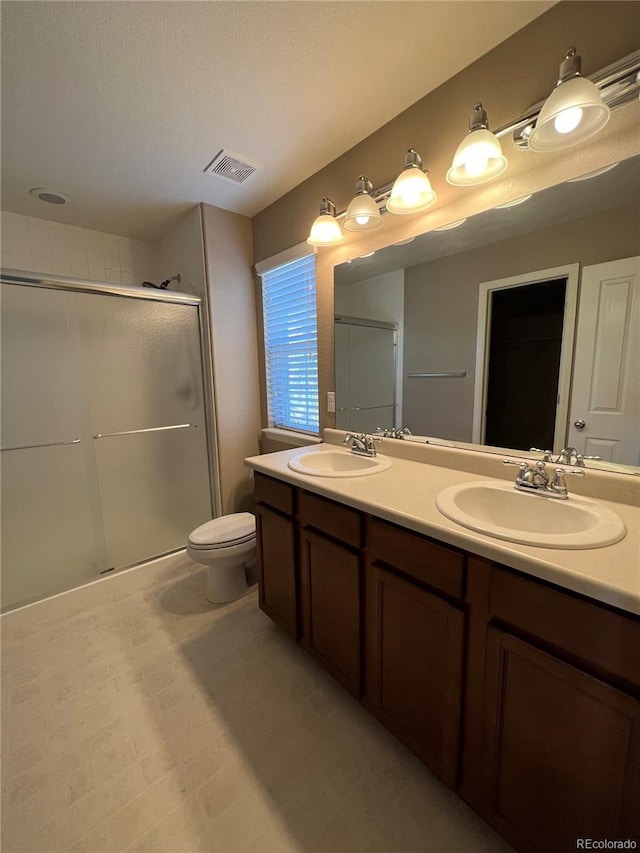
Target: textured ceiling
[121, 105]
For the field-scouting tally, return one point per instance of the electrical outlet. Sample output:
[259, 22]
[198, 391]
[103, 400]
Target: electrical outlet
[331, 401]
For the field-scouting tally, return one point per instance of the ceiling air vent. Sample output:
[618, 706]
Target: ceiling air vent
[231, 167]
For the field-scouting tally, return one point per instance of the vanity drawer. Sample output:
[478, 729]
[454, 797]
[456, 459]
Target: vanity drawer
[274, 493]
[436, 565]
[338, 521]
[569, 624]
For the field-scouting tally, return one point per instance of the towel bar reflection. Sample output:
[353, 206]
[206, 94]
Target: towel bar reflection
[449, 374]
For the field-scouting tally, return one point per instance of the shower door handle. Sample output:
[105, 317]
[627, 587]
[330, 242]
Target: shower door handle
[148, 429]
[48, 444]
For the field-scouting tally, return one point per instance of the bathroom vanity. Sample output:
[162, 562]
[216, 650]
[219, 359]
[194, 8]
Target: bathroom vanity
[513, 674]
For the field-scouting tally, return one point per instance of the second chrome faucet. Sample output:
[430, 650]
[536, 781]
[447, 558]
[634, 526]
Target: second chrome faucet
[535, 478]
[361, 444]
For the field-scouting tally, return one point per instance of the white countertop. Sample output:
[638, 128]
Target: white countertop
[405, 494]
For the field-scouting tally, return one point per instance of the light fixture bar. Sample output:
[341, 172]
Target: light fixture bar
[380, 196]
[618, 84]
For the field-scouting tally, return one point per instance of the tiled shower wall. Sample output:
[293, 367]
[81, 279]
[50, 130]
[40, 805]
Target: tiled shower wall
[39, 245]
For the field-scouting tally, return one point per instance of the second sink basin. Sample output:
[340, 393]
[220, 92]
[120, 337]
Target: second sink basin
[337, 463]
[501, 511]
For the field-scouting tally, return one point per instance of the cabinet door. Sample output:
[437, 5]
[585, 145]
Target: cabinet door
[330, 583]
[415, 652]
[277, 568]
[562, 751]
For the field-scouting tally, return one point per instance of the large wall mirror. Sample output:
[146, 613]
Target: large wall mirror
[517, 328]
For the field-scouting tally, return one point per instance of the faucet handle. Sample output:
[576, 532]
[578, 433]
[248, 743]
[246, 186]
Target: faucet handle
[580, 459]
[523, 466]
[558, 484]
[546, 453]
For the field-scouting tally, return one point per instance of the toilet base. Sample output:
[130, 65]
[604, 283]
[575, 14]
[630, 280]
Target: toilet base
[226, 583]
[226, 569]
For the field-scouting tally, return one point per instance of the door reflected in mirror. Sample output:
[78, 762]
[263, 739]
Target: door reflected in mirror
[518, 329]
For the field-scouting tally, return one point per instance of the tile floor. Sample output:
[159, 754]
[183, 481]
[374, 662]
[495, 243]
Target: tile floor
[138, 717]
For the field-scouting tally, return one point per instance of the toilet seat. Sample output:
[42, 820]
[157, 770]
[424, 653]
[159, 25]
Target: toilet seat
[224, 532]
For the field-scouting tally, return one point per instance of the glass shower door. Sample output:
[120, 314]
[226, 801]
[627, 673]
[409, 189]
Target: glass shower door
[51, 529]
[365, 376]
[143, 375]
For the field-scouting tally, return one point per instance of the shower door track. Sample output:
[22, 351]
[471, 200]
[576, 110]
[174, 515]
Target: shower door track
[81, 286]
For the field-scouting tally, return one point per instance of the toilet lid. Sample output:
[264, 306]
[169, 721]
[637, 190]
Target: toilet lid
[231, 529]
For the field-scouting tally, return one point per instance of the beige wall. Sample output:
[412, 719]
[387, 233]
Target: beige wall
[441, 308]
[519, 72]
[182, 251]
[228, 257]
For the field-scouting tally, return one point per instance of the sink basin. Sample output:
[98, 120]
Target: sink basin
[501, 511]
[337, 463]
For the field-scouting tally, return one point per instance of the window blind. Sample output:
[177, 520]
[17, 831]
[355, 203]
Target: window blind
[291, 344]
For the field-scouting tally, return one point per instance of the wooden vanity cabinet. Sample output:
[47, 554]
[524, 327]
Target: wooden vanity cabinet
[520, 695]
[276, 540]
[562, 750]
[553, 684]
[415, 643]
[331, 587]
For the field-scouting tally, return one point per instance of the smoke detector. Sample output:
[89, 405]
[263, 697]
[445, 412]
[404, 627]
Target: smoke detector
[231, 167]
[49, 196]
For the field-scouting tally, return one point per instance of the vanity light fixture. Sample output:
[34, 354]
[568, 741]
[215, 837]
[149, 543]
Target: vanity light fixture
[573, 112]
[576, 109]
[595, 174]
[451, 225]
[363, 214]
[514, 203]
[325, 230]
[412, 191]
[479, 156]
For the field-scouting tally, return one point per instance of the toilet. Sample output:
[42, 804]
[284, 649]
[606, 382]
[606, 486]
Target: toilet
[227, 547]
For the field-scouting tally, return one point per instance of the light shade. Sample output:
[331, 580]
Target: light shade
[451, 225]
[363, 213]
[479, 156]
[412, 191]
[573, 112]
[514, 203]
[325, 230]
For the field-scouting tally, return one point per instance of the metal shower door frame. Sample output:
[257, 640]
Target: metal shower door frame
[53, 282]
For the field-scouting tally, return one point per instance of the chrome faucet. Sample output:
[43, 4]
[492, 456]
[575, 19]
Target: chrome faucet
[535, 478]
[567, 456]
[392, 432]
[361, 443]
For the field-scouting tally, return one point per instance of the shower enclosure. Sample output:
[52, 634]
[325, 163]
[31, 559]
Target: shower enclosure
[108, 457]
[365, 369]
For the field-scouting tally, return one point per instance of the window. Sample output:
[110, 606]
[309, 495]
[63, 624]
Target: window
[291, 344]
